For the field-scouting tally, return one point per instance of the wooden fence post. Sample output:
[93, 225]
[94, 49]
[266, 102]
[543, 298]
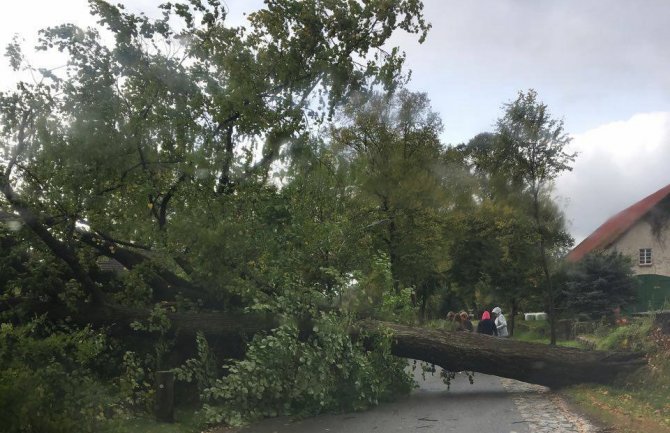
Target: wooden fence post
[164, 403]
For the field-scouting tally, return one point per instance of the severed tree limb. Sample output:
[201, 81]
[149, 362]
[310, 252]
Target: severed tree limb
[165, 285]
[59, 248]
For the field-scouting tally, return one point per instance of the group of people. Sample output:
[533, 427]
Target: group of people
[486, 325]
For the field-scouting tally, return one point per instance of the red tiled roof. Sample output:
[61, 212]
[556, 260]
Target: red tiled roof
[614, 227]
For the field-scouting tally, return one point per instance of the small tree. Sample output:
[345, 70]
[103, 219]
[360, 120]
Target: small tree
[532, 152]
[599, 283]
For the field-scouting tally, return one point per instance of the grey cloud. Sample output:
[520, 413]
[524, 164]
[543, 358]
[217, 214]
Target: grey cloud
[591, 61]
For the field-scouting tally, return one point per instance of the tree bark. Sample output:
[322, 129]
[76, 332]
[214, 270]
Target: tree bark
[541, 364]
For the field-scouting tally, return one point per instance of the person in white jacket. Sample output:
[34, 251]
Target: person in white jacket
[501, 323]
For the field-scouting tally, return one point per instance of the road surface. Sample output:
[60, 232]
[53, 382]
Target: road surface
[485, 407]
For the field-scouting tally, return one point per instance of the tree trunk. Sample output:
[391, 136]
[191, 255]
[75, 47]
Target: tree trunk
[512, 317]
[545, 266]
[452, 350]
[422, 309]
[219, 324]
[164, 399]
[550, 366]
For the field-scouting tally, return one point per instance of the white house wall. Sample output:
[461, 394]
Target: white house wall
[640, 236]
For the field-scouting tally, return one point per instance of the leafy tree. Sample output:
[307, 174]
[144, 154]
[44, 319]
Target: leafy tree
[143, 150]
[394, 148]
[599, 283]
[324, 239]
[531, 151]
[155, 149]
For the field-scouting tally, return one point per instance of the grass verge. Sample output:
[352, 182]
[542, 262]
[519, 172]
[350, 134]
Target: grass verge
[623, 410]
[639, 403]
[186, 421]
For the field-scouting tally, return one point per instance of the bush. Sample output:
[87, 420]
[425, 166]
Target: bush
[46, 380]
[283, 374]
[633, 337]
[531, 329]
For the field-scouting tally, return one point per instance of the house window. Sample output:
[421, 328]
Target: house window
[645, 256]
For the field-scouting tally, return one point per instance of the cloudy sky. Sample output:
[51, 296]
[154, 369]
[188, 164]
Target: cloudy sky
[601, 65]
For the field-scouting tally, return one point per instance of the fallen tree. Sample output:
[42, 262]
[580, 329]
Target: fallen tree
[551, 366]
[541, 364]
[115, 159]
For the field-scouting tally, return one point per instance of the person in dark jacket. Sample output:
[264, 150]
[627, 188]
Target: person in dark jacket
[465, 323]
[486, 325]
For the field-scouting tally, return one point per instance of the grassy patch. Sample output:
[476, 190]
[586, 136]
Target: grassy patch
[639, 403]
[186, 421]
[538, 332]
[627, 410]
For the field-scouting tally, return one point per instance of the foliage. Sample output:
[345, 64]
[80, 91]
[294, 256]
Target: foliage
[643, 395]
[599, 283]
[135, 384]
[47, 379]
[493, 251]
[157, 322]
[351, 375]
[398, 307]
[385, 138]
[29, 274]
[323, 241]
[155, 142]
[633, 337]
[532, 152]
[203, 370]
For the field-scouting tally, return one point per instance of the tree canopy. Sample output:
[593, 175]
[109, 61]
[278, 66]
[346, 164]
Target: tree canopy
[185, 189]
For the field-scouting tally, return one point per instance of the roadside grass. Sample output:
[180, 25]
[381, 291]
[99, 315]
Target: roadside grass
[639, 403]
[538, 332]
[626, 409]
[530, 338]
[186, 421]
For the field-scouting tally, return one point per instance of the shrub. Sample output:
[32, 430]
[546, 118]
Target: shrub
[283, 374]
[47, 384]
[633, 337]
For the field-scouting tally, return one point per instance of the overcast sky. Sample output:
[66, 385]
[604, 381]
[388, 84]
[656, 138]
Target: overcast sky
[601, 65]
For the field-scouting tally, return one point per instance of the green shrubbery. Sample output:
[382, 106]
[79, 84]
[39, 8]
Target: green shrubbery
[634, 336]
[47, 383]
[641, 395]
[285, 374]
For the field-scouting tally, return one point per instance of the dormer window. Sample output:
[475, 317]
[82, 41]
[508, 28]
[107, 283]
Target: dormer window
[645, 256]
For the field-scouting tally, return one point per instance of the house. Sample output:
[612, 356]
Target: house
[106, 264]
[642, 232]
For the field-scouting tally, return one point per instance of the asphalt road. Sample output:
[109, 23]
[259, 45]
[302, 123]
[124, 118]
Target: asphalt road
[484, 407]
